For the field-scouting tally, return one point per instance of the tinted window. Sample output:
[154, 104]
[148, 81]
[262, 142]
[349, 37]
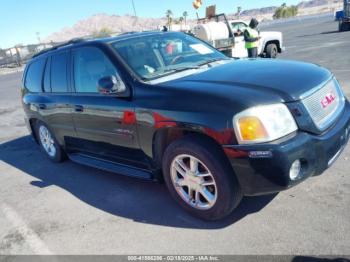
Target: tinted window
[47, 84]
[90, 64]
[34, 76]
[59, 72]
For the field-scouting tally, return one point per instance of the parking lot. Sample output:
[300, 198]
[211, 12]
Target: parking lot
[67, 208]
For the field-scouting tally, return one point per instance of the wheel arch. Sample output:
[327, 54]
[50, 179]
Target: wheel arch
[32, 123]
[164, 137]
[276, 42]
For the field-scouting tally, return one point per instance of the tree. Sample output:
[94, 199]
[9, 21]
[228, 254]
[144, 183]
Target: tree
[103, 32]
[185, 14]
[181, 19]
[169, 15]
[2, 53]
[284, 11]
[32, 48]
[239, 10]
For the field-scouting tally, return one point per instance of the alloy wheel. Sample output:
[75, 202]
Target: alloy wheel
[193, 181]
[47, 141]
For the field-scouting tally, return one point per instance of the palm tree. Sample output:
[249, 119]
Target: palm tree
[239, 10]
[181, 19]
[185, 14]
[169, 15]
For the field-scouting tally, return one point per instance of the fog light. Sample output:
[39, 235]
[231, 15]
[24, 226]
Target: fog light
[294, 170]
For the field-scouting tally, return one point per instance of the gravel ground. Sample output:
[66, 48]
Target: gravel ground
[67, 208]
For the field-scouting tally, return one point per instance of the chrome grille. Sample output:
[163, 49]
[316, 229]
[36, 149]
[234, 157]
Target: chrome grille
[325, 104]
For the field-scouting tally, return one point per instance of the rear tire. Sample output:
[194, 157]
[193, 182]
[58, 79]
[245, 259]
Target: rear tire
[48, 143]
[210, 191]
[271, 51]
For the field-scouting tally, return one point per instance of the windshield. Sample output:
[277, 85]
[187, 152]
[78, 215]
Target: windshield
[154, 56]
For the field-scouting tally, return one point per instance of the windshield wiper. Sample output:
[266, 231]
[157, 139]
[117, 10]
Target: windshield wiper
[170, 71]
[179, 69]
[183, 68]
[211, 61]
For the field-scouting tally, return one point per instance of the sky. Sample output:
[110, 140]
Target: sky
[20, 20]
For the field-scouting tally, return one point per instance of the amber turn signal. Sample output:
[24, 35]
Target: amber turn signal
[251, 128]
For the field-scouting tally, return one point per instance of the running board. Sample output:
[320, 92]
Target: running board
[110, 166]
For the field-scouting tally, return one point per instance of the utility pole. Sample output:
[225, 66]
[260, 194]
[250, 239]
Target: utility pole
[133, 7]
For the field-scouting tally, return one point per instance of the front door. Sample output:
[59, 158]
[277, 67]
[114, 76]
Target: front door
[238, 29]
[105, 125]
[239, 49]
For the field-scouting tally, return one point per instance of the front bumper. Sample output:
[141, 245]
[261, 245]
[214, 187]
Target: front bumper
[264, 168]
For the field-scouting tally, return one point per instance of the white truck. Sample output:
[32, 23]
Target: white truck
[227, 36]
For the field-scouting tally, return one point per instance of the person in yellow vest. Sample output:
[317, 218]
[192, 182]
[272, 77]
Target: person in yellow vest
[251, 38]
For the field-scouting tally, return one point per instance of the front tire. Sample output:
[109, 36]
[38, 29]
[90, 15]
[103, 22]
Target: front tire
[48, 143]
[271, 51]
[200, 179]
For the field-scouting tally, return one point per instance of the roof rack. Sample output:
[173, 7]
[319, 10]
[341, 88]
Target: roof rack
[128, 33]
[70, 42]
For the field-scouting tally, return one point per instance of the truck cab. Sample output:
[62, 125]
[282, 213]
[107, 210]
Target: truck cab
[227, 36]
[270, 44]
[344, 21]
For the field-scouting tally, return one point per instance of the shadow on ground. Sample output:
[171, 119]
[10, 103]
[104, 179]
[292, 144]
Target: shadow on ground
[145, 202]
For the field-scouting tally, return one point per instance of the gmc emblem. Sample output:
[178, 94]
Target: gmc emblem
[327, 100]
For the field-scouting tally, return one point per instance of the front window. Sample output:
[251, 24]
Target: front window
[238, 26]
[90, 64]
[158, 55]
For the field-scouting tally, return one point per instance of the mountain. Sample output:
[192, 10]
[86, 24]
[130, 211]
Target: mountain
[115, 23]
[126, 23]
[314, 3]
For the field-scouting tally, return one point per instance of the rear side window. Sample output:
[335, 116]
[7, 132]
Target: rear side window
[33, 81]
[59, 72]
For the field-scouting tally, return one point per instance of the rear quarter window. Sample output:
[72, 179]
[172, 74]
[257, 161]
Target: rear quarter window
[58, 70]
[34, 76]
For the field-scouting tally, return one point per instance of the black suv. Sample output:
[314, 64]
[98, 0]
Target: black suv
[165, 105]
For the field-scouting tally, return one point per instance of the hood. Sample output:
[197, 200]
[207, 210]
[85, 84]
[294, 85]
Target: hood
[288, 80]
[271, 35]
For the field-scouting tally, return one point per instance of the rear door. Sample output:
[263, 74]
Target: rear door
[57, 94]
[105, 124]
[51, 99]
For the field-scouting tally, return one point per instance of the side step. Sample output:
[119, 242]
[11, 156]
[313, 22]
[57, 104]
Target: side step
[110, 166]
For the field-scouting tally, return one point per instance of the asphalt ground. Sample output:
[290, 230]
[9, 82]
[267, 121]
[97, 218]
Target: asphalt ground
[48, 208]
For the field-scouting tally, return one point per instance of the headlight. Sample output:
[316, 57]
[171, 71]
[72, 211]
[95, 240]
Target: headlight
[263, 124]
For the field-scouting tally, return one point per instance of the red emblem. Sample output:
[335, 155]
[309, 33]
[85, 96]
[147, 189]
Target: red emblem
[327, 100]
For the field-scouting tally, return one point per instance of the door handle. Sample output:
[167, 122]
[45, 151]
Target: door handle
[78, 108]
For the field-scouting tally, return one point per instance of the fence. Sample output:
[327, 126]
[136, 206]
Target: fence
[18, 55]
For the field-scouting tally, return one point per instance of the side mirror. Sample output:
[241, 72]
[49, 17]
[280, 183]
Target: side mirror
[111, 85]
